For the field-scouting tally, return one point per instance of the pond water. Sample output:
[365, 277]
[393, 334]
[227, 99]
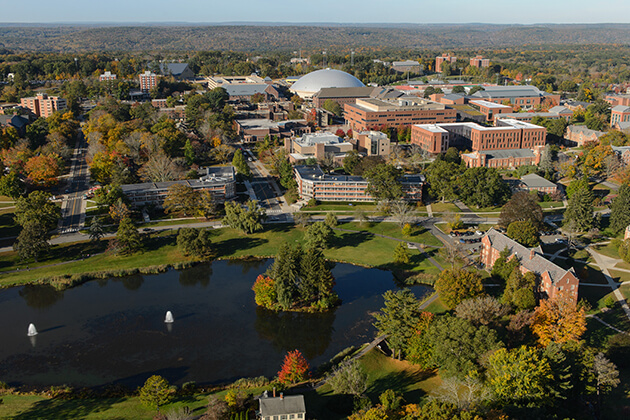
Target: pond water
[113, 331]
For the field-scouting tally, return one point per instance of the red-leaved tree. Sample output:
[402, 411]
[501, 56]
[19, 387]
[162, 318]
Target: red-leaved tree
[294, 369]
[340, 133]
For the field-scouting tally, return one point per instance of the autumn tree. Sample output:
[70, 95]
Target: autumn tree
[402, 213]
[520, 376]
[265, 292]
[160, 168]
[127, 237]
[155, 392]
[294, 369]
[455, 285]
[606, 375]
[558, 320]
[419, 349]
[523, 206]
[181, 198]
[482, 310]
[398, 318]
[524, 232]
[43, 170]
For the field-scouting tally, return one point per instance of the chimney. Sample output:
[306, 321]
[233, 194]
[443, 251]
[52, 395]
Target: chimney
[282, 395]
[531, 254]
[274, 392]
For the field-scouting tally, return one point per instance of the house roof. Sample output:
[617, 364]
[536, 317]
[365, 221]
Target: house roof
[623, 125]
[245, 89]
[537, 263]
[344, 92]
[175, 69]
[584, 129]
[509, 92]
[536, 181]
[16, 121]
[621, 108]
[282, 405]
[558, 109]
[504, 154]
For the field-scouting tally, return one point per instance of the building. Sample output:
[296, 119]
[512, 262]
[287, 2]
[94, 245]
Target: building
[220, 181]
[43, 105]
[534, 182]
[372, 143]
[577, 135]
[16, 121]
[507, 134]
[252, 130]
[245, 91]
[554, 281]
[311, 83]
[341, 95]
[510, 158]
[369, 114]
[479, 61]
[179, 71]
[525, 97]
[623, 152]
[107, 76]
[313, 183]
[407, 66]
[317, 145]
[490, 109]
[626, 235]
[615, 100]
[554, 113]
[224, 81]
[148, 81]
[444, 58]
[619, 114]
[285, 408]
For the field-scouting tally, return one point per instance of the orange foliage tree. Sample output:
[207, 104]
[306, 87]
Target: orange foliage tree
[43, 170]
[294, 368]
[265, 292]
[558, 320]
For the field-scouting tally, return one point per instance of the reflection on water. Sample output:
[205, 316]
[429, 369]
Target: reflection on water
[113, 331]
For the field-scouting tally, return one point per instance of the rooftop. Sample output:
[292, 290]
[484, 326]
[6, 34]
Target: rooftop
[488, 104]
[536, 181]
[401, 104]
[278, 406]
[509, 92]
[321, 137]
[621, 108]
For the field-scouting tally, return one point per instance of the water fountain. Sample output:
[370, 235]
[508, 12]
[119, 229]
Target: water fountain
[32, 331]
[169, 317]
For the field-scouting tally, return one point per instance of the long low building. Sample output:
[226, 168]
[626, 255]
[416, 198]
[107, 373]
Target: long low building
[510, 158]
[369, 114]
[220, 181]
[313, 183]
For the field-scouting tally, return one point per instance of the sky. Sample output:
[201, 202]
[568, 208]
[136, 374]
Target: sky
[324, 11]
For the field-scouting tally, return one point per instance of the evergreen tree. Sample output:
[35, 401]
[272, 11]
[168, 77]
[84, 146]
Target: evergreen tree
[239, 162]
[97, 230]
[284, 272]
[580, 210]
[398, 318]
[620, 210]
[128, 238]
[155, 392]
[401, 255]
[318, 235]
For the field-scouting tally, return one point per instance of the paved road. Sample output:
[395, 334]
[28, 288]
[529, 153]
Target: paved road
[73, 206]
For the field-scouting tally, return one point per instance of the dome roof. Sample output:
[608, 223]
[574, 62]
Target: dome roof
[311, 83]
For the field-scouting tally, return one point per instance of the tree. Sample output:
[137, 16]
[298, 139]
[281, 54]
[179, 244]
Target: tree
[419, 350]
[207, 205]
[195, 242]
[189, 152]
[181, 198]
[458, 89]
[349, 378]
[97, 230]
[32, 240]
[43, 170]
[519, 376]
[620, 210]
[128, 238]
[401, 255]
[11, 185]
[248, 219]
[441, 176]
[294, 369]
[160, 168]
[458, 345]
[239, 162]
[558, 320]
[606, 374]
[463, 393]
[118, 210]
[521, 207]
[351, 161]
[155, 392]
[482, 310]
[284, 272]
[318, 235]
[331, 220]
[503, 267]
[401, 212]
[37, 206]
[217, 98]
[524, 232]
[301, 219]
[519, 290]
[384, 182]
[455, 285]
[332, 106]
[483, 187]
[265, 292]
[580, 208]
[398, 318]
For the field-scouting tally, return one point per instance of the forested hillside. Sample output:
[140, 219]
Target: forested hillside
[274, 38]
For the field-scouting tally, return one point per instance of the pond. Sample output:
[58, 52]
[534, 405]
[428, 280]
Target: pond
[113, 331]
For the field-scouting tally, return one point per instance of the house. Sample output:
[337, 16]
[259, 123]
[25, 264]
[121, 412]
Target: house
[291, 407]
[577, 135]
[179, 71]
[555, 281]
[534, 182]
[16, 121]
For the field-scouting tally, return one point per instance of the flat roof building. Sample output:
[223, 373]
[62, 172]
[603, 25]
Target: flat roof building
[148, 81]
[525, 97]
[619, 114]
[317, 145]
[43, 105]
[369, 114]
[479, 62]
[444, 58]
[252, 130]
[107, 76]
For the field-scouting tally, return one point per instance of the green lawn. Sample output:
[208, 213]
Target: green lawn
[8, 227]
[160, 249]
[623, 265]
[550, 204]
[609, 250]
[444, 207]
[620, 276]
[327, 206]
[418, 233]
[437, 307]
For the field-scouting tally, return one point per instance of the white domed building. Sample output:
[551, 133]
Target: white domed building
[311, 83]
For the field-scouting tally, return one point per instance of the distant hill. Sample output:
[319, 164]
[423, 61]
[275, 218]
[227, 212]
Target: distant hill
[278, 37]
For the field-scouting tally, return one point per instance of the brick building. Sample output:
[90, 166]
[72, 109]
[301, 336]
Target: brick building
[107, 76]
[148, 81]
[341, 95]
[534, 182]
[577, 135]
[615, 100]
[479, 61]
[251, 130]
[526, 97]
[317, 145]
[368, 114]
[314, 183]
[444, 58]
[554, 281]
[510, 158]
[490, 109]
[372, 143]
[43, 105]
[619, 114]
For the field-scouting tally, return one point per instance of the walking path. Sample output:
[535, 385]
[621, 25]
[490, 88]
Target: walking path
[604, 263]
[606, 324]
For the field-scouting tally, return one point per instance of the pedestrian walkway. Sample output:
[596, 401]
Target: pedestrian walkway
[606, 324]
[429, 210]
[603, 263]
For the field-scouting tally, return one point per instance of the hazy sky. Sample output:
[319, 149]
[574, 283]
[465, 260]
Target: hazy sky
[346, 11]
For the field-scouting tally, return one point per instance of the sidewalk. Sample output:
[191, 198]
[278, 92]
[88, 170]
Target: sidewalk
[603, 263]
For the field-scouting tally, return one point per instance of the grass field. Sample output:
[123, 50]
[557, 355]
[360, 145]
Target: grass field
[609, 250]
[444, 207]
[418, 233]
[8, 227]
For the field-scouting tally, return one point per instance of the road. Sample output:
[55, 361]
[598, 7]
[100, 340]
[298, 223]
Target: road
[73, 205]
